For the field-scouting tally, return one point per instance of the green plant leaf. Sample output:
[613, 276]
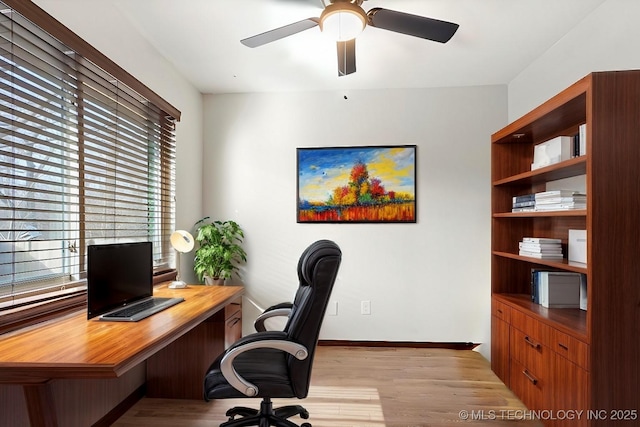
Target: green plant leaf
[219, 249]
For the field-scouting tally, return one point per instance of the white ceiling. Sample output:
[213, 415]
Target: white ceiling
[496, 40]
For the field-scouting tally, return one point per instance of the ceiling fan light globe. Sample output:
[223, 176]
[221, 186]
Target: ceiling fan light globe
[342, 21]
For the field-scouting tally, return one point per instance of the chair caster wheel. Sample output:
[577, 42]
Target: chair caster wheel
[305, 415]
[305, 425]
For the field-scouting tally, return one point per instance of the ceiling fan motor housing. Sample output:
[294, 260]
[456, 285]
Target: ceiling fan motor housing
[356, 2]
[343, 19]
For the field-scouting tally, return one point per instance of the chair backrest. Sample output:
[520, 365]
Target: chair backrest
[317, 271]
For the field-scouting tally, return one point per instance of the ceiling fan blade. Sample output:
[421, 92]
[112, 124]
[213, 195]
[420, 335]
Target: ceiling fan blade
[412, 25]
[280, 33]
[346, 57]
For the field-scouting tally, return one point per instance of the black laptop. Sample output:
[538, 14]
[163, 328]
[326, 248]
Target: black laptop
[120, 282]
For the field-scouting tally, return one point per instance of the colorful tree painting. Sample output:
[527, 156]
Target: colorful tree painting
[357, 184]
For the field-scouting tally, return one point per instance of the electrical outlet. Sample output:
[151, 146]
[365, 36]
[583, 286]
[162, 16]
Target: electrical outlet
[365, 307]
[332, 309]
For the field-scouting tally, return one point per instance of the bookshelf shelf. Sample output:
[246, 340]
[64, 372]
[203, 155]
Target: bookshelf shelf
[538, 214]
[580, 359]
[559, 265]
[568, 168]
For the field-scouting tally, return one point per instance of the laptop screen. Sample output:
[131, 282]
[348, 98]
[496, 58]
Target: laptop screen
[118, 274]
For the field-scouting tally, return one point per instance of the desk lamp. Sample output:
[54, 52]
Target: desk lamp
[182, 241]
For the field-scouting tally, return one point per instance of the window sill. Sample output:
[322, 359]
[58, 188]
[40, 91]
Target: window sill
[21, 317]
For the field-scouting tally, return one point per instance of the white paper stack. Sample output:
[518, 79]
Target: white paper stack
[540, 247]
[557, 200]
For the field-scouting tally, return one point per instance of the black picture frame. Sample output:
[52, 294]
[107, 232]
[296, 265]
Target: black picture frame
[356, 184]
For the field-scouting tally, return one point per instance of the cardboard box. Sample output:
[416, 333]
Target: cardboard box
[553, 151]
[578, 246]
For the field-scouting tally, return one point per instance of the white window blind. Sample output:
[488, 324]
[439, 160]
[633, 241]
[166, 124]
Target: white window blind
[84, 159]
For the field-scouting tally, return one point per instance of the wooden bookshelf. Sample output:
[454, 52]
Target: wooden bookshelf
[571, 359]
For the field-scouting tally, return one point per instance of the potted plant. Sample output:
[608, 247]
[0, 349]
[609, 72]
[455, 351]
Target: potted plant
[219, 250]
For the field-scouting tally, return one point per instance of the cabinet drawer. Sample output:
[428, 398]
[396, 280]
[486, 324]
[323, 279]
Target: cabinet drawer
[570, 348]
[529, 352]
[528, 386]
[501, 311]
[536, 331]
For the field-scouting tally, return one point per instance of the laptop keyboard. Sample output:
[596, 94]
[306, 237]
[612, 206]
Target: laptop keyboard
[130, 311]
[146, 308]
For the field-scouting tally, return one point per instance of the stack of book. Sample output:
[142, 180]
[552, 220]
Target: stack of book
[525, 203]
[557, 200]
[542, 248]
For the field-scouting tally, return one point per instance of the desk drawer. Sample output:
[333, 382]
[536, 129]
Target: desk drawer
[501, 311]
[570, 348]
[232, 308]
[232, 322]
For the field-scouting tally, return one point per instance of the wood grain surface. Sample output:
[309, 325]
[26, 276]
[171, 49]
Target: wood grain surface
[74, 347]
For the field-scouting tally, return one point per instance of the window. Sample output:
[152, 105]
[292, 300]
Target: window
[84, 159]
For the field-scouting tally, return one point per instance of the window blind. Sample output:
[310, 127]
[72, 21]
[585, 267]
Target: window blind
[84, 159]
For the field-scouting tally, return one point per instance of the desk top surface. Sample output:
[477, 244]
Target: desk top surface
[74, 347]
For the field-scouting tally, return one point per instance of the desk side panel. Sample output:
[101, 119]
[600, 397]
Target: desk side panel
[177, 371]
[13, 409]
[76, 402]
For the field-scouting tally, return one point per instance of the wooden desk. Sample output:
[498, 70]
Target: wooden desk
[178, 344]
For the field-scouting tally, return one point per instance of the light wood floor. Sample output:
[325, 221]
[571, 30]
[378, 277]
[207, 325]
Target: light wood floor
[373, 387]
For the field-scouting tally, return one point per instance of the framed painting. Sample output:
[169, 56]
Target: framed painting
[356, 184]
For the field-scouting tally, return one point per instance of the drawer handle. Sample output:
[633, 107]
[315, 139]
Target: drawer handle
[499, 311]
[564, 347]
[531, 343]
[235, 320]
[530, 377]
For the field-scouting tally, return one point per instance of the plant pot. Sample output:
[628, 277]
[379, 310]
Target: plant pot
[210, 281]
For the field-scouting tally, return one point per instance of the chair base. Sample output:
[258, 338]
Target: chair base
[267, 416]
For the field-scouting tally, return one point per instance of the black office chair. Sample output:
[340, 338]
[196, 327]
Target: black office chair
[279, 310]
[277, 364]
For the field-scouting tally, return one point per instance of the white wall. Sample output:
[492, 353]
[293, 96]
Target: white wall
[427, 281]
[605, 40]
[103, 25]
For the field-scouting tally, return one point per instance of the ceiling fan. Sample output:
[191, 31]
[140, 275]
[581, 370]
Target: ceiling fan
[343, 20]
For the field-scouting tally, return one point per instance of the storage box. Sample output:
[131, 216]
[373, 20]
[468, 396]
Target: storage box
[578, 246]
[559, 289]
[553, 151]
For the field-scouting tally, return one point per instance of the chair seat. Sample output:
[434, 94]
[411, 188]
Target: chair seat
[266, 368]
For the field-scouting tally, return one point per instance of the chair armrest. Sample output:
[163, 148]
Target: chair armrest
[274, 340]
[278, 310]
